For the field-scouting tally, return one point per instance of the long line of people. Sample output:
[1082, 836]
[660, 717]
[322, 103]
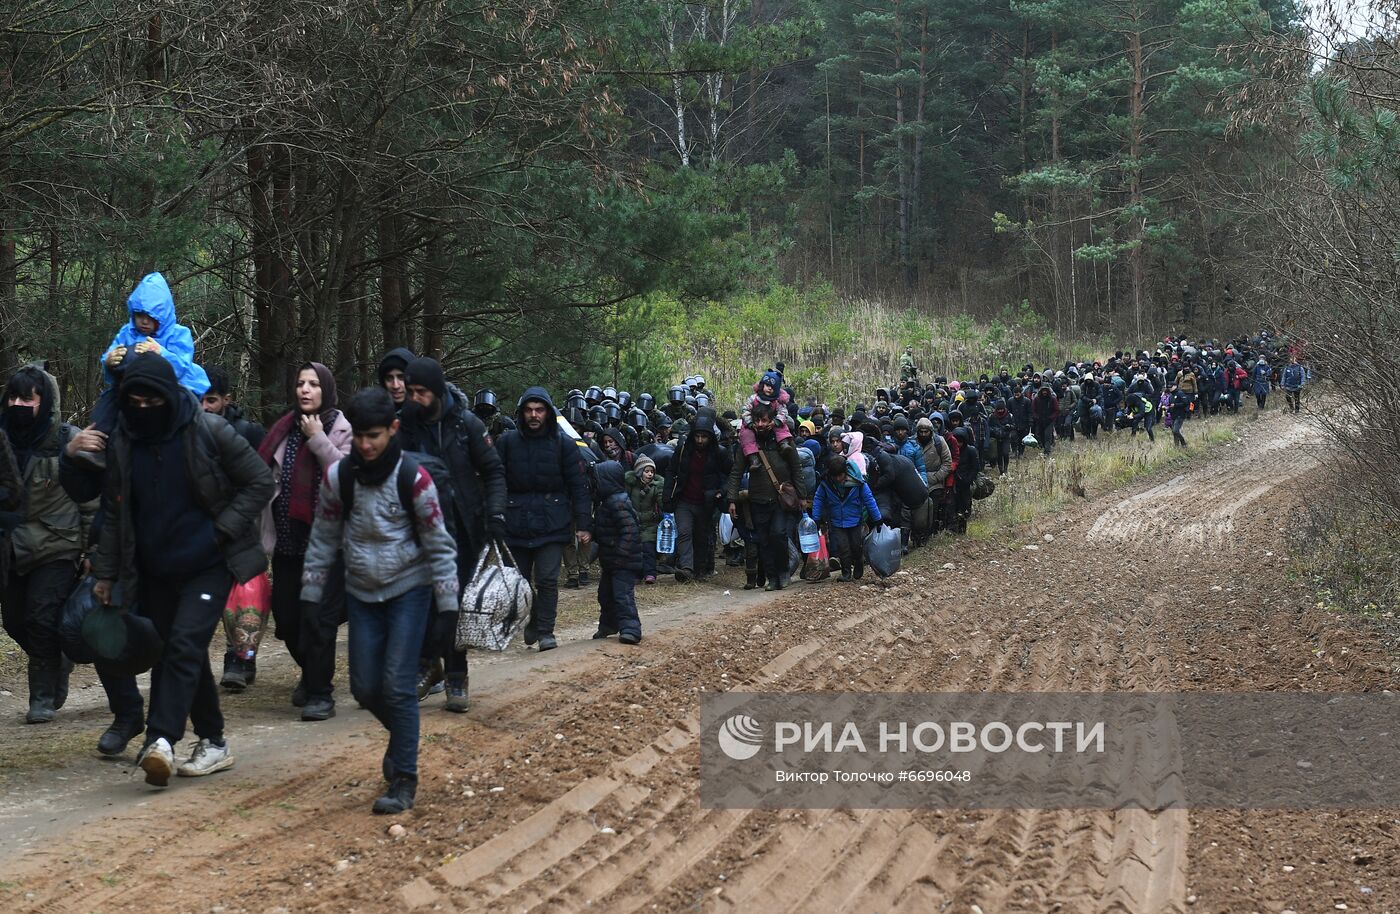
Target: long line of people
[170, 500]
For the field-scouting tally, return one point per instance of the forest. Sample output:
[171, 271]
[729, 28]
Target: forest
[553, 188]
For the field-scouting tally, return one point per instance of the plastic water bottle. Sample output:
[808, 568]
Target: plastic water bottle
[666, 535]
[808, 536]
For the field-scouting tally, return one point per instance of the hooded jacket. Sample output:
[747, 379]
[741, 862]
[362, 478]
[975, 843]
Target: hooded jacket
[547, 494]
[152, 296]
[226, 479]
[615, 524]
[717, 465]
[786, 467]
[938, 460]
[624, 456]
[51, 526]
[646, 499]
[459, 438]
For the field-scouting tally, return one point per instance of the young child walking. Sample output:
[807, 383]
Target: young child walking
[844, 502]
[383, 514]
[645, 489]
[768, 391]
[619, 538]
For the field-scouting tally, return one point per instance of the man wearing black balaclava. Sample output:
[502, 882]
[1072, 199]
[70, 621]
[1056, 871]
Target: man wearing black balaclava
[185, 492]
[438, 421]
[43, 539]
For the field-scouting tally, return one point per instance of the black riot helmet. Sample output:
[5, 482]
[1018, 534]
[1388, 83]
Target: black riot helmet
[699, 383]
[594, 395]
[678, 393]
[484, 403]
[646, 403]
[610, 393]
[637, 419]
[576, 412]
[613, 412]
[596, 414]
[624, 399]
[702, 400]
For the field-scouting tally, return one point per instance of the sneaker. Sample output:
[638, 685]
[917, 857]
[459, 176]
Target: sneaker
[399, 797]
[649, 579]
[583, 578]
[158, 761]
[682, 576]
[547, 643]
[206, 758]
[318, 709]
[572, 582]
[630, 638]
[429, 675]
[456, 689]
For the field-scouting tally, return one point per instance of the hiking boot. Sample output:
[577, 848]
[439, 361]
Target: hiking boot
[158, 761]
[299, 695]
[583, 578]
[547, 643]
[630, 638]
[318, 709]
[234, 679]
[604, 633]
[429, 675]
[683, 576]
[114, 739]
[456, 688]
[751, 581]
[206, 758]
[531, 636]
[572, 582]
[399, 797]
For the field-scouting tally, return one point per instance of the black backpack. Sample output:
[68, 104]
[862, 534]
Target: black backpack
[407, 476]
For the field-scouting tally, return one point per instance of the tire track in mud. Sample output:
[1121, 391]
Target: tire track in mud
[609, 819]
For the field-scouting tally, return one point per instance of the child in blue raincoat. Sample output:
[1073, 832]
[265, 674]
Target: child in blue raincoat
[152, 328]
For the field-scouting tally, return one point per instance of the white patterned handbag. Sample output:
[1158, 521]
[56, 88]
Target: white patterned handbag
[495, 605]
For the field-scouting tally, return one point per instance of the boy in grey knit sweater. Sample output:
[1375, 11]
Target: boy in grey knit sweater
[400, 562]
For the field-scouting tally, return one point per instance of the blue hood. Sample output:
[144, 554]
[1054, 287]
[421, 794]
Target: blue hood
[152, 296]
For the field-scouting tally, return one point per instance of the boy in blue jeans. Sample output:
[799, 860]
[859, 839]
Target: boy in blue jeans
[381, 510]
[619, 538]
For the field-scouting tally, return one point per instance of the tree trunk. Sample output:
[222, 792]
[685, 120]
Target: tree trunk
[392, 301]
[1136, 256]
[433, 318]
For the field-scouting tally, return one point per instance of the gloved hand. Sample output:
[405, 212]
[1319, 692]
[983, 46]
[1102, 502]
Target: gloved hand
[496, 525]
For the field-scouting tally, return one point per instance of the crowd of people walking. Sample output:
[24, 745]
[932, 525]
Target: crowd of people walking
[175, 508]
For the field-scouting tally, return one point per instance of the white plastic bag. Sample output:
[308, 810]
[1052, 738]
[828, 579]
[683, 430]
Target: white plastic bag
[495, 605]
[728, 531]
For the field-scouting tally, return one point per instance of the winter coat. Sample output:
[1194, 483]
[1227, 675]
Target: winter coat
[1045, 408]
[460, 440]
[717, 466]
[646, 501]
[547, 491]
[785, 466]
[910, 449]
[1294, 377]
[51, 526]
[252, 432]
[1261, 375]
[152, 296]
[1020, 410]
[846, 508]
[969, 465]
[327, 447]
[615, 525]
[383, 557]
[228, 479]
[938, 461]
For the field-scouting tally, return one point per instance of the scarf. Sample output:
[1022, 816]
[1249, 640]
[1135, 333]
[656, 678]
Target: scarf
[374, 472]
[305, 469]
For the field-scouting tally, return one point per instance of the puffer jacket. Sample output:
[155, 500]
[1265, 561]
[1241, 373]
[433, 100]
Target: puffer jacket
[847, 508]
[910, 449]
[717, 466]
[615, 525]
[228, 479]
[547, 491]
[51, 526]
[646, 500]
[938, 461]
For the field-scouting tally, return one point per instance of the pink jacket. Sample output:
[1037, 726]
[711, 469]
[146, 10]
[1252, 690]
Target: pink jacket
[328, 447]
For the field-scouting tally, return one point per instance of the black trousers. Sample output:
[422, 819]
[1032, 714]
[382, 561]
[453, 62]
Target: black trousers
[185, 611]
[848, 545]
[309, 636]
[774, 528]
[33, 603]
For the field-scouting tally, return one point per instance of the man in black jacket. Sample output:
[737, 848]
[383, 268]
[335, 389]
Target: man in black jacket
[437, 422]
[218, 399]
[184, 492]
[693, 492]
[547, 500]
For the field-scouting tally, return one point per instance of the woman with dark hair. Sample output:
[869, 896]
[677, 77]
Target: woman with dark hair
[300, 447]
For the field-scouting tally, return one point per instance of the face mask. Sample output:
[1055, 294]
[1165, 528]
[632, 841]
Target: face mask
[19, 418]
[148, 421]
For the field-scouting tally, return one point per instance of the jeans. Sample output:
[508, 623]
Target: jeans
[310, 637]
[385, 640]
[1177, 422]
[774, 528]
[617, 601]
[33, 604]
[694, 527]
[541, 567]
[185, 611]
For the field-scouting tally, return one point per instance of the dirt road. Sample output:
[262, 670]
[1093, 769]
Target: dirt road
[573, 782]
